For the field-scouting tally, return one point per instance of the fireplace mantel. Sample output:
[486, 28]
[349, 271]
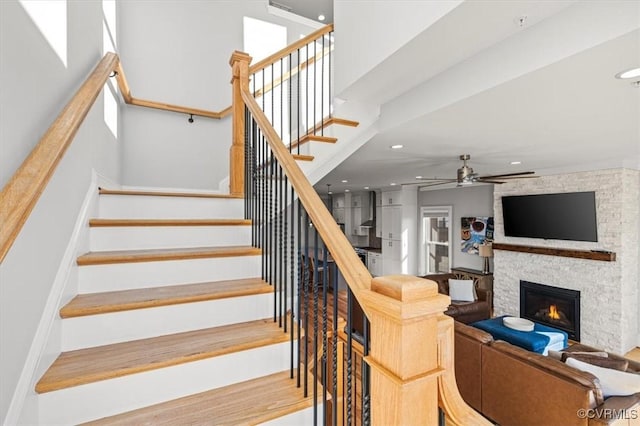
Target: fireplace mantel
[604, 256]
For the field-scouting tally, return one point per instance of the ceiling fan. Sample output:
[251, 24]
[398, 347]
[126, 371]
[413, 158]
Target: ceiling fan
[466, 176]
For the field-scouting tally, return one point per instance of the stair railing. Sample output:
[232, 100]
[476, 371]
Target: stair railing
[20, 195]
[370, 350]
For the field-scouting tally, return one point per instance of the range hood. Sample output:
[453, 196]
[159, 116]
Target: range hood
[371, 222]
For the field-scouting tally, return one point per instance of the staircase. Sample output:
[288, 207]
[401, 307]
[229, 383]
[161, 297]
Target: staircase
[172, 324]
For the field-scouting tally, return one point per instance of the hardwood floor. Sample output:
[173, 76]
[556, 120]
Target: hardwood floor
[634, 354]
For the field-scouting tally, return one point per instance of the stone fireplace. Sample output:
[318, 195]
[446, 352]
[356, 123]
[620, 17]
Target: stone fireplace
[609, 291]
[552, 306]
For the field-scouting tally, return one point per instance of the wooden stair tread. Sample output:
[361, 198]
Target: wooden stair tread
[117, 301]
[312, 138]
[106, 362]
[319, 138]
[302, 157]
[153, 255]
[103, 191]
[340, 121]
[168, 222]
[252, 402]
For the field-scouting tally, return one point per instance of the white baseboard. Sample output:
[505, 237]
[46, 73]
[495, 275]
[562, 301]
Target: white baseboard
[43, 347]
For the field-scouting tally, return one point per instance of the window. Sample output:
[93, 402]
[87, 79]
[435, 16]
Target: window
[436, 237]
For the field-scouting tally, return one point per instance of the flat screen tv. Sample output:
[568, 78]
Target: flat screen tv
[566, 216]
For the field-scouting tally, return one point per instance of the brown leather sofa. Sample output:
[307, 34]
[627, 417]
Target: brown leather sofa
[465, 312]
[515, 387]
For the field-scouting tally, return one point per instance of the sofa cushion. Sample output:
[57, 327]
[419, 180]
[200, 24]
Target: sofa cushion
[462, 290]
[605, 362]
[611, 381]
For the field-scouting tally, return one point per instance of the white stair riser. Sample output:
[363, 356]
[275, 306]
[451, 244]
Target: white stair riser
[302, 417]
[153, 207]
[104, 329]
[125, 276]
[109, 397]
[152, 237]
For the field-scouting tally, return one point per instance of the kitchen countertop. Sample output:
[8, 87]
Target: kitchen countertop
[371, 249]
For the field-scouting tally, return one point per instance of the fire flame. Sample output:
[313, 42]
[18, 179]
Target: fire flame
[553, 312]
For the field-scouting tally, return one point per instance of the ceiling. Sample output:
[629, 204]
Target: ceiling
[310, 9]
[555, 113]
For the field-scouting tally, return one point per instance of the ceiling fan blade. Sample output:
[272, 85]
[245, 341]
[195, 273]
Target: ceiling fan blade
[513, 177]
[506, 175]
[489, 181]
[438, 179]
[424, 183]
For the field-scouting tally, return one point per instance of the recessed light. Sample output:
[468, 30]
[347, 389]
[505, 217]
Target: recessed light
[366, 187]
[321, 17]
[344, 181]
[346, 190]
[632, 73]
[418, 177]
[514, 163]
[393, 184]
[397, 146]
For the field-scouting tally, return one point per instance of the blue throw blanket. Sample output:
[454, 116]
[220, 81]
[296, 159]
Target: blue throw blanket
[529, 340]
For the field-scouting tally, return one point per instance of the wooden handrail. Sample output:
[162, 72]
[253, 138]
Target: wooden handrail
[352, 269]
[129, 99]
[290, 49]
[20, 194]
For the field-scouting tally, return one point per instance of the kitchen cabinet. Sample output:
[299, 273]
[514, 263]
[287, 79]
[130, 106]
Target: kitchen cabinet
[338, 210]
[374, 263]
[378, 215]
[359, 213]
[392, 198]
[392, 222]
[400, 231]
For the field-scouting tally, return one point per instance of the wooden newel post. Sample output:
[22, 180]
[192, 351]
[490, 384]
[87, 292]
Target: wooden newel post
[403, 357]
[240, 80]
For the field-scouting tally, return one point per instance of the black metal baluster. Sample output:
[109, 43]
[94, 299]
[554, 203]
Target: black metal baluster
[334, 378]
[315, 325]
[305, 302]
[285, 242]
[280, 263]
[306, 112]
[300, 284]
[322, 90]
[349, 386]
[264, 206]
[290, 96]
[298, 104]
[325, 334]
[254, 162]
[330, 74]
[366, 396]
[315, 79]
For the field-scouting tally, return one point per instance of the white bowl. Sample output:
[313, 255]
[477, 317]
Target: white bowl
[519, 324]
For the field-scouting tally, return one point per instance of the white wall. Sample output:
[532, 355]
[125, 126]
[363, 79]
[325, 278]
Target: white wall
[609, 290]
[368, 31]
[178, 52]
[466, 202]
[35, 87]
